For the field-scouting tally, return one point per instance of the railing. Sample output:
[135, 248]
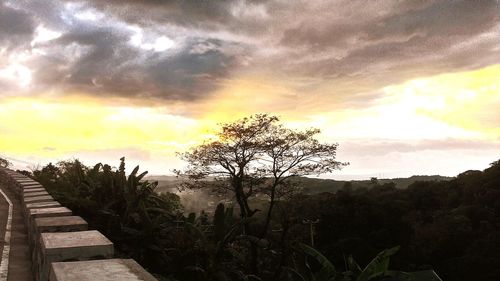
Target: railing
[62, 247]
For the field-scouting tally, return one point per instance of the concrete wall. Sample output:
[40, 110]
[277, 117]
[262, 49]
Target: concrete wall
[62, 247]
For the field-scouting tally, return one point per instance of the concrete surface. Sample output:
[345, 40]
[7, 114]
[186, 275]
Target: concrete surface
[102, 270]
[60, 224]
[64, 246]
[61, 241]
[19, 257]
[33, 194]
[42, 205]
[31, 190]
[36, 199]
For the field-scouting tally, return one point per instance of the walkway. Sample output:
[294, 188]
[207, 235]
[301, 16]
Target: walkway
[19, 260]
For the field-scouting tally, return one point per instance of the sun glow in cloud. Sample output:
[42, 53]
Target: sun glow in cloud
[16, 73]
[455, 105]
[468, 100]
[43, 34]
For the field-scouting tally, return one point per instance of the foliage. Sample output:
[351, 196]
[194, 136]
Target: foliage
[450, 226]
[324, 270]
[4, 162]
[436, 224]
[126, 208]
[258, 155]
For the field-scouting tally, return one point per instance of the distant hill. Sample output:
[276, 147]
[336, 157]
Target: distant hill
[315, 185]
[197, 200]
[312, 185]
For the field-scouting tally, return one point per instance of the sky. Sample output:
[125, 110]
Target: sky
[404, 87]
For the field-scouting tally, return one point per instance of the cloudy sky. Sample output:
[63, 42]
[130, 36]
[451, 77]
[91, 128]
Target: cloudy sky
[405, 87]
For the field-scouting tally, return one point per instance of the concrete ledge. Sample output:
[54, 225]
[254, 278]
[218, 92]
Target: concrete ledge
[30, 184]
[60, 224]
[25, 183]
[38, 205]
[53, 224]
[57, 237]
[28, 187]
[102, 270]
[32, 214]
[66, 246]
[48, 212]
[42, 205]
[30, 190]
[33, 194]
[27, 180]
[36, 199]
[70, 245]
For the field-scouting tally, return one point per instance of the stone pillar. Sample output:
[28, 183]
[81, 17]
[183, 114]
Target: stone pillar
[68, 246]
[101, 270]
[53, 224]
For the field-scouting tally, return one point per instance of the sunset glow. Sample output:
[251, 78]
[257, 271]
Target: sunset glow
[163, 89]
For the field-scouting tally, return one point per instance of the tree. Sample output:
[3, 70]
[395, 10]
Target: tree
[257, 154]
[4, 163]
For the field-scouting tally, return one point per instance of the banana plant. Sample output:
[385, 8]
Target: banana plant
[223, 221]
[377, 269]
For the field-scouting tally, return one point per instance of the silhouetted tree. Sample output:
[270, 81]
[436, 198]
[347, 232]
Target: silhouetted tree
[4, 162]
[259, 155]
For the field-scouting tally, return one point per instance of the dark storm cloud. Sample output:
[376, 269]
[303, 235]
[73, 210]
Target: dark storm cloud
[108, 64]
[195, 70]
[395, 39]
[358, 46]
[16, 27]
[211, 14]
[98, 57]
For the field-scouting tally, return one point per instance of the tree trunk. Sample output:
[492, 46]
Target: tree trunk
[269, 212]
[245, 213]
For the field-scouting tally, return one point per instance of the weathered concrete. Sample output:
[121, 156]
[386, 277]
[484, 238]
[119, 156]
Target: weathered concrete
[57, 237]
[102, 270]
[47, 212]
[19, 187]
[38, 205]
[27, 180]
[42, 213]
[33, 189]
[60, 224]
[26, 184]
[33, 194]
[68, 245]
[53, 224]
[29, 184]
[29, 187]
[36, 199]
[43, 205]
[20, 178]
[19, 257]
[64, 246]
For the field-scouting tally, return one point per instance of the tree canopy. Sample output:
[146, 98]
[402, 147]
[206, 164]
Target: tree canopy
[258, 154]
[4, 162]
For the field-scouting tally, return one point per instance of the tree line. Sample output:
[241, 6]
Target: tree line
[352, 234]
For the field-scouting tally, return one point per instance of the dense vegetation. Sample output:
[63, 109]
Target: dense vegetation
[451, 226]
[276, 232]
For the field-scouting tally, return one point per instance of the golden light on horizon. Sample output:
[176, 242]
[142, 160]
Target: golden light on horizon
[467, 100]
[447, 106]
